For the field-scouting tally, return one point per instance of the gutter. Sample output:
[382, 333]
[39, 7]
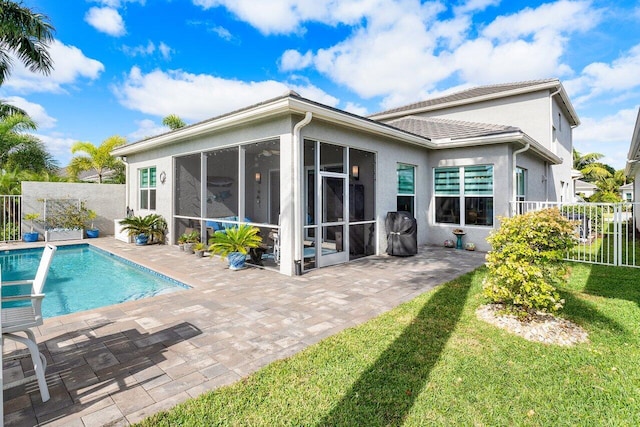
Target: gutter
[514, 177]
[297, 191]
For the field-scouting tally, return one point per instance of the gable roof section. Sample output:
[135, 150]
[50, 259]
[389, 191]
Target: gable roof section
[438, 129]
[483, 93]
[292, 103]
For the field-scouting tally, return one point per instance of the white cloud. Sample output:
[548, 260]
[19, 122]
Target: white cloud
[560, 17]
[598, 77]
[356, 109]
[403, 50]
[195, 97]
[70, 64]
[140, 50]
[117, 3]
[474, 5]
[609, 135]
[58, 145]
[286, 16]
[222, 32]
[482, 62]
[106, 20]
[293, 60]
[35, 111]
[146, 128]
[165, 50]
[149, 49]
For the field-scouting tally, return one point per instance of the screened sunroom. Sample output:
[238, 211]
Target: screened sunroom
[242, 184]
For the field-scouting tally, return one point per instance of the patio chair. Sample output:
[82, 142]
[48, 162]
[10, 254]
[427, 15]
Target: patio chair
[23, 317]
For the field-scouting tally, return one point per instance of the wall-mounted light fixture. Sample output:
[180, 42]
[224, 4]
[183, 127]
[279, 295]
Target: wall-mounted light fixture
[258, 177]
[355, 172]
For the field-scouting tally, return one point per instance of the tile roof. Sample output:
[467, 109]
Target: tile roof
[468, 94]
[437, 128]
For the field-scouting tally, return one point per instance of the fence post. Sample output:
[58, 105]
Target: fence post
[617, 238]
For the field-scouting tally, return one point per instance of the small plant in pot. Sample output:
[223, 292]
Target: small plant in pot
[199, 248]
[234, 244]
[192, 238]
[182, 240]
[146, 229]
[31, 236]
[92, 232]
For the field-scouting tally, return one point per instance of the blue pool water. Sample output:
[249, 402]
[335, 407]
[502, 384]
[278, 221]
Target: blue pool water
[83, 277]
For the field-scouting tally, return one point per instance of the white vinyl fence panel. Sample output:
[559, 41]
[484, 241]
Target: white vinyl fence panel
[606, 233]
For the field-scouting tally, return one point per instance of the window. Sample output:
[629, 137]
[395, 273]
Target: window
[521, 184]
[406, 188]
[470, 187]
[147, 186]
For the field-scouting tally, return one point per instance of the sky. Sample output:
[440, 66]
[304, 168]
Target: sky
[123, 65]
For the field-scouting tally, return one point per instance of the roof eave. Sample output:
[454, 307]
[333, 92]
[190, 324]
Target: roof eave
[502, 138]
[551, 85]
[276, 107]
[633, 156]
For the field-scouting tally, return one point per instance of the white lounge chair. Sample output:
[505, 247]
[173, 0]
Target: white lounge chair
[23, 318]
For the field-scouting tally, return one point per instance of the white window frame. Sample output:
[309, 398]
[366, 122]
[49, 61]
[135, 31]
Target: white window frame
[409, 195]
[462, 196]
[149, 189]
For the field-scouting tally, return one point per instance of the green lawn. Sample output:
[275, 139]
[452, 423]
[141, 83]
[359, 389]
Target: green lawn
[430, 361]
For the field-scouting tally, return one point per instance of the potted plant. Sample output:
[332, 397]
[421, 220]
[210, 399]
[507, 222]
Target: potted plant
[182, 240]
[234, 244]
[92, 232]
[64, 219]
[145, 229]
[198, 248]
[192, 238]
[31, 236]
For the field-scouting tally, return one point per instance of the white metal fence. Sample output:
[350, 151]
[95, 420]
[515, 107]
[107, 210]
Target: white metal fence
[10, 218]
[607, 232]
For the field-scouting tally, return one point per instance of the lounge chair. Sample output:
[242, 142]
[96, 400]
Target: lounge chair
[26, 316]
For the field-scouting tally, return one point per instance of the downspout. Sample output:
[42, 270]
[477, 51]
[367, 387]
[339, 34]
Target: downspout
[515, 178]
[126, 180]
[297, 191]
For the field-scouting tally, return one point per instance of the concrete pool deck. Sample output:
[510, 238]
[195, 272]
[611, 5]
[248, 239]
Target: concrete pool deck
[119, 364]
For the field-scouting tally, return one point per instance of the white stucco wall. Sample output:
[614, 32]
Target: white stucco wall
[499, 157]
[530, 112]
[107, 200]
[388, 154]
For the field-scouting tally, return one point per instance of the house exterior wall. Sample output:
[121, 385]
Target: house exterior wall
[530, 112]
[162, 159]
[107, 200]
[537, 181]
[499, 156]
[560, 178]
[537, 115]
[388, 154]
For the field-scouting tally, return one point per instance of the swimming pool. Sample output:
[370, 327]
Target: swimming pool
[83, 277]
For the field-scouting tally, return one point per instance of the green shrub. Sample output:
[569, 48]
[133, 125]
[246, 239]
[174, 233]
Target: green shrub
[526, 260]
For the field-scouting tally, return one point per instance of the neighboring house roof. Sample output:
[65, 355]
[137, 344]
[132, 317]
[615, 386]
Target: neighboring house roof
[483, 93]
[584, 186]
[87, 176]
[627, 187]
[633, 157]
[292, 103]
[436, 128]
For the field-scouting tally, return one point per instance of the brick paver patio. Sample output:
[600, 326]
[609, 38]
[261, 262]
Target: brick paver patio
[119, 364]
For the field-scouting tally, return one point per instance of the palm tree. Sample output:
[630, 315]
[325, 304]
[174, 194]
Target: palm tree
[25, 34]
[98, 158]
[11, 128]
[173, 122]
[9, 110]
[590, 167]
